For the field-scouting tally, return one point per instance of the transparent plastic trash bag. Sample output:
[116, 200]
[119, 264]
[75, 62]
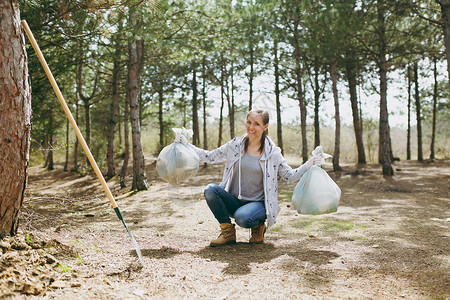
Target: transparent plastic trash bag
[316, 193]
[177, 162]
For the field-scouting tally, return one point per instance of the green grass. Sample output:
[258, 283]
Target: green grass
[64, 268]
[277, 229]
[319, 224]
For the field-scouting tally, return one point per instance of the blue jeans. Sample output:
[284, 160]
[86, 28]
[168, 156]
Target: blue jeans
[224, 205]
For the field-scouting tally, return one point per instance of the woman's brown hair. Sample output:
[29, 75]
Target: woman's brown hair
[265, 115]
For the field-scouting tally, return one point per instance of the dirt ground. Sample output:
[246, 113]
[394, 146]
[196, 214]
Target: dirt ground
[388, 240]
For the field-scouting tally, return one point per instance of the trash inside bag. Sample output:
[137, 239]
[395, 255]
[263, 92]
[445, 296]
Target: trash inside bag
[316, 193]
[177, 163]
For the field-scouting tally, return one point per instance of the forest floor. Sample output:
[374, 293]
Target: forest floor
[388, 240]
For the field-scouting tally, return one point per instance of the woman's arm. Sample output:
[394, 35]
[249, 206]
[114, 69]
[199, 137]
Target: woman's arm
[212, 156]
[289, 174]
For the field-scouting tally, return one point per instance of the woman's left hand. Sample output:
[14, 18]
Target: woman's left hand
[316, 160]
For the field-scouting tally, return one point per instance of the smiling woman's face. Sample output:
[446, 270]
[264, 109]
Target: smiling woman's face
[255, 126]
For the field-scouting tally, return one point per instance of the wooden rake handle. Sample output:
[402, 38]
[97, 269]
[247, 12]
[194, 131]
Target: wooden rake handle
[69, 114]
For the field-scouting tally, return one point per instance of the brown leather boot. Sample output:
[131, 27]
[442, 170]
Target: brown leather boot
[227, 235]
[258, 234]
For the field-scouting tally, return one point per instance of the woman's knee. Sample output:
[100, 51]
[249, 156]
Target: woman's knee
[211, 191]
[242, 219]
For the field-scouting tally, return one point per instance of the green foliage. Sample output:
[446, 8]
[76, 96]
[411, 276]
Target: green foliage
[179, 37]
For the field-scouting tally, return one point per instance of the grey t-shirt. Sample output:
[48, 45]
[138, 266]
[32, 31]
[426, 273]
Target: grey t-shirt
[252, 188]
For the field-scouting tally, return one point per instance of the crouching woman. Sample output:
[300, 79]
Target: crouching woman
[249, 189]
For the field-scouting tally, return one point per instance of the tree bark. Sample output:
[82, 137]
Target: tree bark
[300, 97]
[418, 113]
[230, 102]
[75, 149]
[250, 78]
[277, 96]
[86, 100]
[126, 138]
[351, 77]
[134, 75]
[408, 134]
[435, 96]
[445, 10]
[135, 61]
[195, 124]
[15, 120]
[205, 135]
[316, 103]
[114, 107]
[66, 163]
[384, 117]
[337, 118]
[161, 116]
[50, 150]
[222, 101]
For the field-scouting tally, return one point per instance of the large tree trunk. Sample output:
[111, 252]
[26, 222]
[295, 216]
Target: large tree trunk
[445, 10]
[408, 134]
[300, 97]
[135, 62]
[385, 150]
[277, 96]
[114, 107]
[337, 118]
[195, 125]
[435, 96]
[134, 84]
[15, 120]
[351, 77]
[418, 113]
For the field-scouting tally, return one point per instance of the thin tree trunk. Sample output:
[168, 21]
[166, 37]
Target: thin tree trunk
[195, 125]
[75, 149]
[337, 118]
[445, 10]
[301, 100]
[126, 130]
[15, 120]
[222, 103]
[408, 135]
[50, 151]
[435, 96]
[277, 96]
[250, 79]
[351, 77]
[205, 135]
[418, 113]
[114, 110]
[161, 117]
[46, 147]
[66, 164]
[230, 102]
[316, 103]
[384, 117]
